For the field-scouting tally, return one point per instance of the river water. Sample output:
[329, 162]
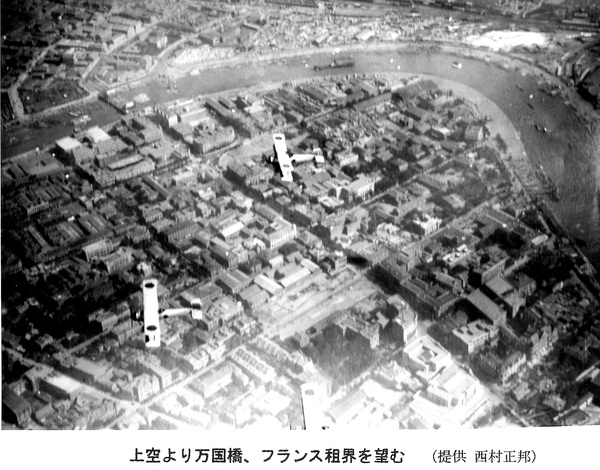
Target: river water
[569, 153]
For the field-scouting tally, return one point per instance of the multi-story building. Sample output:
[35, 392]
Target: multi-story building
[426, 224]
[541, 342]
[474, 133]
[97, 250]
[425, 356]
[228, 255]
[66, 146]
[31, 203]
[456, 256]
[404, 316]
[488, 270]
[361, 187]
[214, 381]
[502, 369]
[15, 409]
[294, 277]
[427, 298]
[211, 140]
[124, 330]
[523, 283]
[252, 364]
[150, 213]
[450, 398]
[432, 182]
[181, 231]
[279, 232]
[118, 261]
[472, 336]
[189, 111]
[141, 388]
[482, 305]
[233, 282]
[184, 179]
[102, 320]
[362, 327]
[165, 376]
[85, 370]
[346, 158]
[248, 175]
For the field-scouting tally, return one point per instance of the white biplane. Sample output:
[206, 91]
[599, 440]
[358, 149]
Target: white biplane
[152, 314]
[285, 159]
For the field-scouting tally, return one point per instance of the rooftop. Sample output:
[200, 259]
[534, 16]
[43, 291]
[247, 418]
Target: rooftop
[68, 143]
[486, 306]
[96, 134]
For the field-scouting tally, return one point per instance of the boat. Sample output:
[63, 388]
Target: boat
[13, 141]
[338, 63]
[520, 87]
[530, 105]
[457, 65]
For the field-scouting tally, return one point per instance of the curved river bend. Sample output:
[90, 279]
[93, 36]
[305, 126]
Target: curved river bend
[569, 153]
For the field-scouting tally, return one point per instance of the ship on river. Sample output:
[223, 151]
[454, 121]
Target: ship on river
[337, 63]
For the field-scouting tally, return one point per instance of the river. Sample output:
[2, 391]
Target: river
[569, 153]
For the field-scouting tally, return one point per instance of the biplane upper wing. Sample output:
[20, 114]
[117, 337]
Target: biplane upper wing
[285, 164]
[151, 316]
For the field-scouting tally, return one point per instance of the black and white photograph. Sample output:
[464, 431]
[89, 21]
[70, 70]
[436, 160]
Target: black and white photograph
[300, 219]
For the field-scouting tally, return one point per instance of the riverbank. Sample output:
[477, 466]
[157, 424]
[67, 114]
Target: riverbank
[567, 152]
[505, 60]
[502, 59]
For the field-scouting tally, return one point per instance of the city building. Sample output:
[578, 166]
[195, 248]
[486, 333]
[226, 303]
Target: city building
[118, 261]
[472, 336]
[425, 224]
[404, 317]
[180, 232]
[426, 297]
[253, 365]
[502, 369]
[346, 409]
[15, 409]
[207, 141]
[60, 386]
[449, 399]
[361, 327]
[425, 357]
[482, 305]
[279, 232]
[98, 250]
